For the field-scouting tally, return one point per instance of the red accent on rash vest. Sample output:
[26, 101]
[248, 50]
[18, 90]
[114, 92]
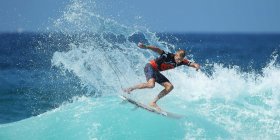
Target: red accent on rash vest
[154, 64]
[164, 66]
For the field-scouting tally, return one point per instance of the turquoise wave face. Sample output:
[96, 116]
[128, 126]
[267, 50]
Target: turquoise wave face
[90, 118]
[245, 116]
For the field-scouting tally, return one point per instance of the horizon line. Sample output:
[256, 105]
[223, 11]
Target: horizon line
[165, 32]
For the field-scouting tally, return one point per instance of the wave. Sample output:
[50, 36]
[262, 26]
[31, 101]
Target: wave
[226, 103]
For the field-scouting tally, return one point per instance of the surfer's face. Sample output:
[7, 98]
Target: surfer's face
[178, 58]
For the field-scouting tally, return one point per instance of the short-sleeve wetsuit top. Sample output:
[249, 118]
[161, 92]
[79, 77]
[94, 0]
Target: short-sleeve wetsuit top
[166, 61]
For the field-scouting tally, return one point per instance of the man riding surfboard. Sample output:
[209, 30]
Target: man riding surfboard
[152, 71]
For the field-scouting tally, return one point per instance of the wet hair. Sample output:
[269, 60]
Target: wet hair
[182, 53]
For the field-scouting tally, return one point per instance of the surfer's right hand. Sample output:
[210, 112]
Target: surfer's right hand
[142, 46]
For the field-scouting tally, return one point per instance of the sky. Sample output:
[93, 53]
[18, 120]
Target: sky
[214, 16]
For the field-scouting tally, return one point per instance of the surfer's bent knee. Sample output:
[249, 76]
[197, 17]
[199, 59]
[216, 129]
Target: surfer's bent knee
[169, 87]
[150, 85]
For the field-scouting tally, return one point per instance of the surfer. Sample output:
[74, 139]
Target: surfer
[152, 71]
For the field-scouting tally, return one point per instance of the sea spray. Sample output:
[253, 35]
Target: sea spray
[219, 102]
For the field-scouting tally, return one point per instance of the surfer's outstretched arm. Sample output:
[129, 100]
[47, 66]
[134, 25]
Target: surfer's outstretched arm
[191, 64]
[195, 65]
[153, 48]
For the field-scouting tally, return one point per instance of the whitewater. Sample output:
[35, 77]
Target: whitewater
[219, 102]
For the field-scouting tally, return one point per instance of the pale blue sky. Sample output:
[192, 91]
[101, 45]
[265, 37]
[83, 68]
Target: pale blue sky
[252, 16]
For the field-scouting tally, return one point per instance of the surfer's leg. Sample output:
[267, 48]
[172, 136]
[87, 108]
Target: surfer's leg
[150, 77]
[167, 88]
[149, 84]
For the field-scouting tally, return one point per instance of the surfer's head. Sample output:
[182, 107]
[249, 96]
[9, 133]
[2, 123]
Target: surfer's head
[179, 56]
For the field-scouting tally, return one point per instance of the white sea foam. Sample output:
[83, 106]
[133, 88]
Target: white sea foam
[237, 104]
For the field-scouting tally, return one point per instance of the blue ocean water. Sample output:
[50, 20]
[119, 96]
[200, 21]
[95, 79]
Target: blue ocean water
[65, 84]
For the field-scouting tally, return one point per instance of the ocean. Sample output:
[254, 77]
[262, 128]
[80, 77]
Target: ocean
[64, 84]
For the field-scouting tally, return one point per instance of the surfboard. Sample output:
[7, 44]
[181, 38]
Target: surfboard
[151, 109]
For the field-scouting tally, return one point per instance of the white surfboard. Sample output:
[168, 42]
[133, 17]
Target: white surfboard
[151, 109]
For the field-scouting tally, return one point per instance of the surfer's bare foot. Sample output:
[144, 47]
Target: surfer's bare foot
[154, 105]
[128, 90]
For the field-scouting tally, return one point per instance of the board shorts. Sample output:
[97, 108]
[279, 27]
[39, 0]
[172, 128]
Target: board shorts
[150, 72]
